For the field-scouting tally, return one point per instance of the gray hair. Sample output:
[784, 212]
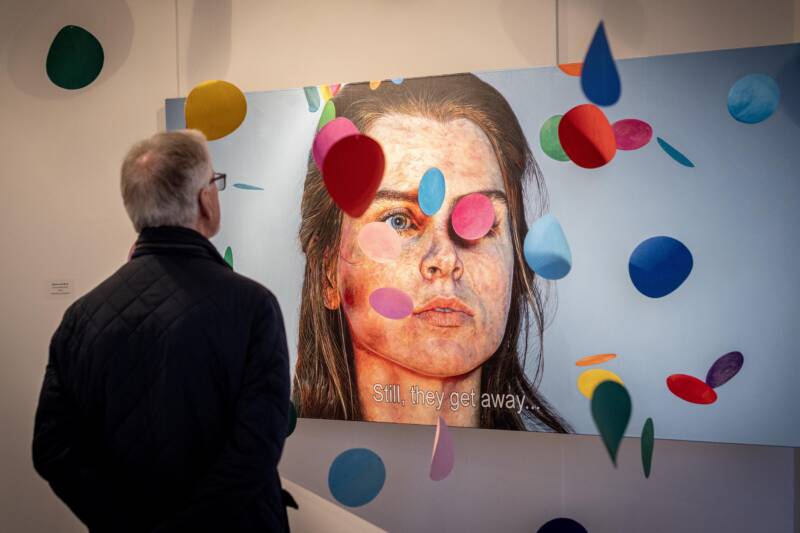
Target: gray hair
[161, 178]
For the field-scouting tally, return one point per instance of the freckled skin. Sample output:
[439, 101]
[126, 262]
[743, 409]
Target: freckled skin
[433, 262]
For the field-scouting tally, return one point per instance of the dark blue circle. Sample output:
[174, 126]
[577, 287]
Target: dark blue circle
[562, 525]
[356, 476]
[659, 265]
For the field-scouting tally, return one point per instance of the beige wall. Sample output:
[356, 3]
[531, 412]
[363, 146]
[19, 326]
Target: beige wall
[62, 216]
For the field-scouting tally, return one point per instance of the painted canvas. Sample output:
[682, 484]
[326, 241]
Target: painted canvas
[522, 245]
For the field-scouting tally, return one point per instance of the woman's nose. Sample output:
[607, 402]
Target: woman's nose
[441, 259]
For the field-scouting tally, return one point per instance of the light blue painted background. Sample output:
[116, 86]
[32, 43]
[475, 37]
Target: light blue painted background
[737, 211]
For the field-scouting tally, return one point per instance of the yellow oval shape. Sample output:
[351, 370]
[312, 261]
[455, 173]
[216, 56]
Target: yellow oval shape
[216, 108]
[590, 379]
[374, 84]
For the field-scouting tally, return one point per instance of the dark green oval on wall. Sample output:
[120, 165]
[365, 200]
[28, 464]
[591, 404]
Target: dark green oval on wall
[75, 58]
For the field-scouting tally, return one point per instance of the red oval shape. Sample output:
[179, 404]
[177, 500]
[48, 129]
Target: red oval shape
[691, 389]
[632, 133]
[587, 137]
[352, 171]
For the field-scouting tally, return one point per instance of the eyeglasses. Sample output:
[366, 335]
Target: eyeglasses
[219, 180]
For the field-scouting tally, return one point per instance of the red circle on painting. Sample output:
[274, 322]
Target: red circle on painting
[587, 137]
[691, 389]
[632, 133]
[352, 171]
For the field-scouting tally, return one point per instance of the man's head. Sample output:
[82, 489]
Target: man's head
[166, 181]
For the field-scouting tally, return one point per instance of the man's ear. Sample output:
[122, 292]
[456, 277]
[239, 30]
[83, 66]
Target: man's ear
[204, 198]
[330, 290]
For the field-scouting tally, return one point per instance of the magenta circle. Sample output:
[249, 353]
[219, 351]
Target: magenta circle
[473, 216]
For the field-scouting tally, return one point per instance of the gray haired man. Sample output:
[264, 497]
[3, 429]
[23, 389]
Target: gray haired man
[165, 399]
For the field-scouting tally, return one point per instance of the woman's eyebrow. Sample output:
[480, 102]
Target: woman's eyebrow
[403, 196]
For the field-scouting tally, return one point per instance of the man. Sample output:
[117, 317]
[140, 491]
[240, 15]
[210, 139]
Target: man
[165, 400]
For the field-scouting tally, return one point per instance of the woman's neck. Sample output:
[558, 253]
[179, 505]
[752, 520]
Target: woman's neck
[389, 392]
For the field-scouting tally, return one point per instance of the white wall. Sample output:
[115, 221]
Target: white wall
[62, 218]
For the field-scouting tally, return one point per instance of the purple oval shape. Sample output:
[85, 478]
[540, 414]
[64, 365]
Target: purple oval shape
[632, 133]
[724, 369]
[391, 303]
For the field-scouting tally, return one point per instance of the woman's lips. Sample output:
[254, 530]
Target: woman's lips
[444, 312]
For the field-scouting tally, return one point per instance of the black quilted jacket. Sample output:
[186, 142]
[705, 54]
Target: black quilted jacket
[165, 401]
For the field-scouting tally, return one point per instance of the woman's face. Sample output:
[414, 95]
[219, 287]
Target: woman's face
[461, 289]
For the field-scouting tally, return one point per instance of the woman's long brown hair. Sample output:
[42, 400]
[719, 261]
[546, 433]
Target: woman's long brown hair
[324, 383]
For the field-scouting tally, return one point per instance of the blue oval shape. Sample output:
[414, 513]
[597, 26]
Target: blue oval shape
[356, 476]
[659, 265]
[753, 98]
[599, 76]
[431, 191]
[546, 249]
[674, 154]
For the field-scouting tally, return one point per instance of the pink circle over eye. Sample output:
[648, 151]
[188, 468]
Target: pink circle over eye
[379, 242]
[391, 303]
[473, 216]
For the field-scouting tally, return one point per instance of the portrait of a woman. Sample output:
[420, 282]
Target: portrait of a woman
[479, 311]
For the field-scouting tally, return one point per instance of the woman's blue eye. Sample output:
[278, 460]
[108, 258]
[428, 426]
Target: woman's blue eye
[398, 222]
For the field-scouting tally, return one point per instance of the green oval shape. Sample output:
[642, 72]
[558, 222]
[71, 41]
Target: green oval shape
[228, 257]
[648, 439]
[328, 114]
[548, 138]
[75, 58]
[611, 410]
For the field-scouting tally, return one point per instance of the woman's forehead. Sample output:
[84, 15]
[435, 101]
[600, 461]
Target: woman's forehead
[459, 148]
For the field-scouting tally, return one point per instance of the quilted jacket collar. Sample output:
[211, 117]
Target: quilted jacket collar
[176, 240]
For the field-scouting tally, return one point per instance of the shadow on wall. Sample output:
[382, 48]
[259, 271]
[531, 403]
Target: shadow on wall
[110, 21]
[208, 55]
[789, 76]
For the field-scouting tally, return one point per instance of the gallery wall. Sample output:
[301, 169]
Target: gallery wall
[63, 220]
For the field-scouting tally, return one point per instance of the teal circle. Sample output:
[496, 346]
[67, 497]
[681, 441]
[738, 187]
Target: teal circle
[431, 191]
[356, 477]
[548, 139]
[753, 98]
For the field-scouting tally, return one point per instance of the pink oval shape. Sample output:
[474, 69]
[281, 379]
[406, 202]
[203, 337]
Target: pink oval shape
[632, 133]
[473, 216]
[330, 134]
[391, 303]
[379, 242]
[443, 457]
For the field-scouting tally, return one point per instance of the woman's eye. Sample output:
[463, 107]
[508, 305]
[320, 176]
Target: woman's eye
[399, 222]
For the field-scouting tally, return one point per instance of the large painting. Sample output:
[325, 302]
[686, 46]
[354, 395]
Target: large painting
[525, 246]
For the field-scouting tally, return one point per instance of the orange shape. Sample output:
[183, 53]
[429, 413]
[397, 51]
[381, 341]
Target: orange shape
[374, 84]
[595, 359]
[571, 69]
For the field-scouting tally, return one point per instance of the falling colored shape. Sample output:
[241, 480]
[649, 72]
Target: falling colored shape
[647, 442]
[473, 216]
[247, 187]
[443, 456]
[562, 525]
[374, 84]
[659, 265]
[599, 77]
[571, 69]
[379, 242]
[673, 153]
[292, 418]
[611, 411]
[391, 303]
[548, 139]
[724, 369]
[587, 137]
[330, 134]
[328, 114]
[334, 88]
[216, 108]
[356, 477]
[753, 98]
[352, 171]
[632, 133]
[595, 359]
[691, 389]
[312, 97]
[329, 91]
[75, 58]
[589, 380]
[228, 256]
[431, 191]
[546, 249]
[397, 81]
